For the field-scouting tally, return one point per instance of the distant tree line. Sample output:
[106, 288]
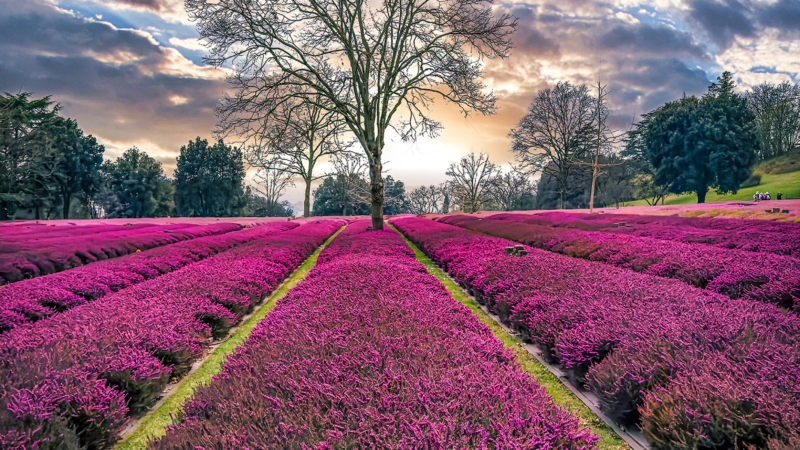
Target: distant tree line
[50, 169]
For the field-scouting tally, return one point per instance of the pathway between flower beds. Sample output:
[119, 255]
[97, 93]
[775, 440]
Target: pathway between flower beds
[153, 425]
[563, 392]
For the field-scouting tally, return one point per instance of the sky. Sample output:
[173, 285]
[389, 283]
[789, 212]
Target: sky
[131, 71]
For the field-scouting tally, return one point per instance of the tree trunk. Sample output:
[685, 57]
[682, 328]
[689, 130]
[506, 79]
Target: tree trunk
[4, 210]
[67, 200]
[376, 188]
[701, 195]
[307, 201]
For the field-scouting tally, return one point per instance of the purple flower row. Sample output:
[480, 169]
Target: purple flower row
[38, 298]
[81, 374]
[780, 238]
[738, 274]
[696, 370]
[370, 351]
[29, 258]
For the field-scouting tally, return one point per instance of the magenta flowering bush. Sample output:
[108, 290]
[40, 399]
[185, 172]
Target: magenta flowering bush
[736, 273]
[370, 351]
[635, 340]
[81, 374]
[31, 255]
[31, 300]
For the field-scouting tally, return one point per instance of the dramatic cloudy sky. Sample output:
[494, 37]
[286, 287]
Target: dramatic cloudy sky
[130, 71]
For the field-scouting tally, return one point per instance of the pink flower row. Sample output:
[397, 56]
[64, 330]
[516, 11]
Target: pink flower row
[370, 351]
[692, 368]
[79, 376]
[780, 238]
[28, 257]
[738, 274]
[37, 298]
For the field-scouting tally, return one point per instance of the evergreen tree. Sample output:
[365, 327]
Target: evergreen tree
[694, 144]
[209, 180]
[137, 186]
[27, 161]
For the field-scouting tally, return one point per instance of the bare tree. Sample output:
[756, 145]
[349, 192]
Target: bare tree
[512, 190]
[271, 182]
[777, 110]
[469, 180]
[349, 170]
[378, 65]
[291, 136]
[557, 132]
[426, 199]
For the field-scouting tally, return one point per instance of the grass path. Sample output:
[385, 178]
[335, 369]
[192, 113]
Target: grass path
[155, 424]
[562, 396]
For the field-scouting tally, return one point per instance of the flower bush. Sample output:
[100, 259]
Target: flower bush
[655, 351]
[736, 273]
[370, 351]
[86, 371]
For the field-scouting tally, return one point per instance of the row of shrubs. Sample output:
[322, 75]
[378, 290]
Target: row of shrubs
[761, 236]
[76, 378]
[370, 351]
[738, 274]
[34, 254]
[37, 298]
[694, 369]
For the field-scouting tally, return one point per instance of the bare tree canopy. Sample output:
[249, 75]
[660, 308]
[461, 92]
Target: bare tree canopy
[290, 136]
[470, 179]
[777, 111]
[428, 199]
[513, 190]
[270, 183]
[557, 132]
[378, 65]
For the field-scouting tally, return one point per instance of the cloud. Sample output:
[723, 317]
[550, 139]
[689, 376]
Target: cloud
[723, 21]
[120, 84]
[195, 44]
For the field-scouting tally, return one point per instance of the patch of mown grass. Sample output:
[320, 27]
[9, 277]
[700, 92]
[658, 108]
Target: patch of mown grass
[155, 425]
[788, 183]
[561, 395]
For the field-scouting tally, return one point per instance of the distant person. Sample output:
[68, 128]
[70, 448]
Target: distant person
[756, 197]
[780, 194]
[766, 196]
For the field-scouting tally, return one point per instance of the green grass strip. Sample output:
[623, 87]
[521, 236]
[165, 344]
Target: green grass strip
[154, 426]
[561, 395]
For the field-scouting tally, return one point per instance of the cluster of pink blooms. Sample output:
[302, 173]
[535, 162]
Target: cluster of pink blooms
[33, 251]
[694, 369]
[370, 351]
[736, 273]
[77, 377]
[34, 299]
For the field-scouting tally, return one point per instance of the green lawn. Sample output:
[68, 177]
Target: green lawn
[788, 183]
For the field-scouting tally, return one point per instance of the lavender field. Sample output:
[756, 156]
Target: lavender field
[371, 350]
